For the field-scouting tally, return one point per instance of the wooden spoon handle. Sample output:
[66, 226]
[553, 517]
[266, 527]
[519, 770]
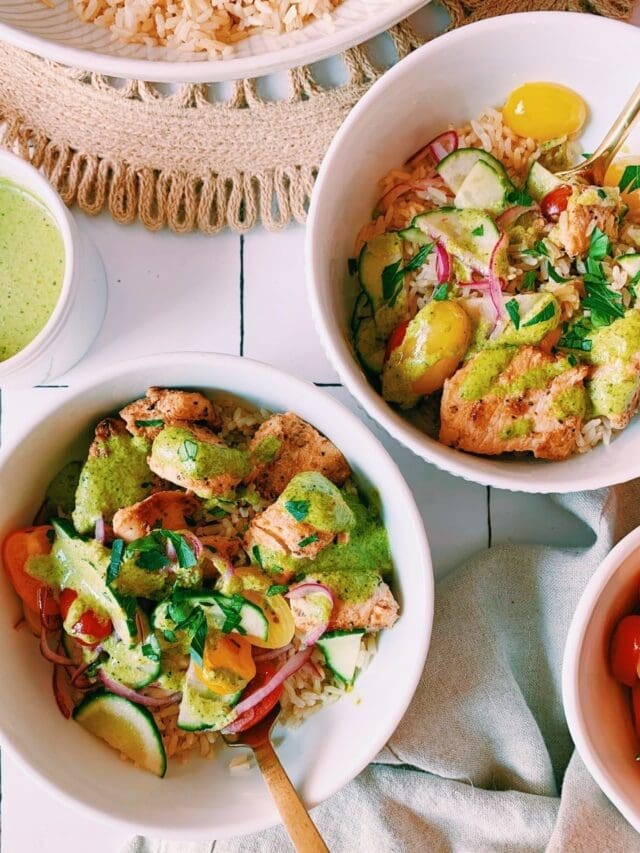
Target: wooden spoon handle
[301, 829]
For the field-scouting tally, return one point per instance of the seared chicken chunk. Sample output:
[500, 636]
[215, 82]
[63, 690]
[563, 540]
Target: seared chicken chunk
[164, 407]
[379, 610]
[506, 400]
[285, 445]
[163, 509]
[588, 207]
[275, 530]
[106, 429]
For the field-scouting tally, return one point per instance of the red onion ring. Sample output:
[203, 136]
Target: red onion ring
[133, 695]
[60, 692]
[480, 284]
[270, 654]
[497, 284]
[308, 588]
[50, 622]
[80, 671]
[399, 190]
[50, 655]
[506, 219]
[286, 671]
[19, 624]
[438, 147]
[443, 264]
[171, 551]
[100, 533]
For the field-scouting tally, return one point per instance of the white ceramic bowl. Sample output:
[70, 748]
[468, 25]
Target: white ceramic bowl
[204, 799]
[58, 34]
[596, 706]
[451, 80]
[79, 312]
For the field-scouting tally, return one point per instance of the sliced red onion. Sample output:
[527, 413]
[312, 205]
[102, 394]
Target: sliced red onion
[270, 654]
[286, 671]
[438, 147]
[50, 622]
[61, 692]
[506, 219]
[399, 190]
[101, 533]
[133, 695]
[171, 551]
[192, 540]
[497, 284]
[308, 588]
[77, 675]
[19, 624]
[480, 284]
[50, 655]
[443, 264]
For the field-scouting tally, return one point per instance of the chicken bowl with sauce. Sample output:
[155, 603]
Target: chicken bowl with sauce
[204, 550]
[479, 305]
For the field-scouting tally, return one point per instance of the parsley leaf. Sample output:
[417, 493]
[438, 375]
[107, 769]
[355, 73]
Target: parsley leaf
[554, 276]
[152, 550]
[630, 179]
[151, 649]
[539, 250]
[151, 561]
[598, 245]
[604, 304]
[199, 638]
[298, 509]
[419, 258]
[519, 196]
[308, 540]
[393, 275]
[601, 193]
[117, 550]
[441, 292]
[576, 337]
[256, 555]
[277, 589]
[231, 605]
[155, 422]
[528, 280]
[572, 359]
[188, 450]
[184, 552]
[514, 312]
[479, 231]
[546, 313]
[170, 636]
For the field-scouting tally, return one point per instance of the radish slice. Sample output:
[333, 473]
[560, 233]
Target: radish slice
[308, 588]
[61, 692]
[50, 655]
[304, 590]
[443, 264]
[171, 551]
[133, 695]
[480, 284]
[439, 147]
[270, 654]
[286, 671]
[399, 190]
[506, 219]
[497, 284]
[101, 533]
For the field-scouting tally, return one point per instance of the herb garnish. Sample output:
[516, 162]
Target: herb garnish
[151, 649]
[554, 276]
[514, 312]
[528, 280]
[117, 550]
[598, 245]
[546, 313]
[441, 292]
[277, 589]
[479, 231]
[539, 250]
[298, 509]
[630, 179]
[199, 638]
[601, 193]
[393, 275]
[572, 359]
[188, 450]
[170, 636]
[152, 550]
[256, 555]
[576, 337]
[519, 196]
[308, 540]
[154, 422]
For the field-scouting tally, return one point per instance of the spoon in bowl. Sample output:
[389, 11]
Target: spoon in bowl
[301, 829]
[594, 167]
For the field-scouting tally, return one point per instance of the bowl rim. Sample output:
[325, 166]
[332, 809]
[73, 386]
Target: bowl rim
[266, 373]
[211, 70]
[571, 665]
[447, 459]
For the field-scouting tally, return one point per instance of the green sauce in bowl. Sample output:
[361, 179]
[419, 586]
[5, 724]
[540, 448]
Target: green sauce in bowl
[32, 264]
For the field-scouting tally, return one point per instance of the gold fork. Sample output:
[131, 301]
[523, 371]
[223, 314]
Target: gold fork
[594, 168]
[301, 829]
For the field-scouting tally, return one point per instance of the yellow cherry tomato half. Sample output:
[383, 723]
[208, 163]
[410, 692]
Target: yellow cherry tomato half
[612, 179]
[278, 613]
[227, 664]
[544, 111]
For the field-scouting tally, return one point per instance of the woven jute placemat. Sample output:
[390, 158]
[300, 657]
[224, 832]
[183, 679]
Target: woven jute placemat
[186, 160]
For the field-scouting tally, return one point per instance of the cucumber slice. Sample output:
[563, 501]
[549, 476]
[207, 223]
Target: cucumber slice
[201, 710]
[540, 181]
[630, 263]
[252, 619]
[131, 666]
[455, 167]
[369, 347]
[376, 255]
[415, 236]
[78, 653]
[484, 189]
[469, 235]
[341, 650]
[127, 727]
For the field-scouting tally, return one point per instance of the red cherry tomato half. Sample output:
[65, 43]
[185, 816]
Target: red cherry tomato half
[67, 597]
[555, 202]
[90, 629]
[265, 671]
[397, 336]
[625, 650]
[16, 550]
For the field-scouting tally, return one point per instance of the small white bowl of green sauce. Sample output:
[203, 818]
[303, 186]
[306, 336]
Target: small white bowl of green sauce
[52, 283]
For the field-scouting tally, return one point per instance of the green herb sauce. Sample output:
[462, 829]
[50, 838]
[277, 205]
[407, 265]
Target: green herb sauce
[519, 428]
[179, 447]
[32, 263]
[326, 509]
[484, 370]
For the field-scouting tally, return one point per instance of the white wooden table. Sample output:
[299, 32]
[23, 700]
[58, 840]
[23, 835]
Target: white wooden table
[241, 295]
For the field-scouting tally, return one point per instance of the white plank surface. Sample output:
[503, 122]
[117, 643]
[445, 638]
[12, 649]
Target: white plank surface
[234, 295]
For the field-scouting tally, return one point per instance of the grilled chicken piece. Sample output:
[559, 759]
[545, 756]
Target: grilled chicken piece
[285, 445]
[585, 207]
[163, 509]
[615, 391]
[105, 429]
[275, 530]
[374, 613]
[170, 407]
[532, 402]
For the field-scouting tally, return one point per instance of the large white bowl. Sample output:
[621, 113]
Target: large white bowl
[596, 706]
[451, 80]
[204, 799]
[60, 35]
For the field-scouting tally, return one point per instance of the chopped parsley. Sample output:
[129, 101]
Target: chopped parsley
[308, 540]
[519, 196]
[170, 636]
[256, 555]
[529, 280]
[598, 245]
[546, 313]
[188, 450]
[601, 193]
[277, 589]
[441, 292]
[231, 605]
[51, 535]
[154, 422]
[298, 509]
[117, 550]
[577, 336]
[199, 638]
[539, 250]
[151, 550]
[393, 275]
[604, 304]
[554, 276]
[479, 231]
[630, 179]
[572, 359]
[151, 649]
[587, 154]
[514, 312]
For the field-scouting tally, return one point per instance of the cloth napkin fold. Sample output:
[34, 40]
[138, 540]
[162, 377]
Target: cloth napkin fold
[483, 760]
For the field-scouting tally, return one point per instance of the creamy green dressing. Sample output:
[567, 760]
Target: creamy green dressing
[32, 263]
[484, 370]
[180, 448]
[312, 499]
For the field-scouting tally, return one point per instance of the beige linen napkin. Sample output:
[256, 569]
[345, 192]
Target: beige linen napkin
[482, 760]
